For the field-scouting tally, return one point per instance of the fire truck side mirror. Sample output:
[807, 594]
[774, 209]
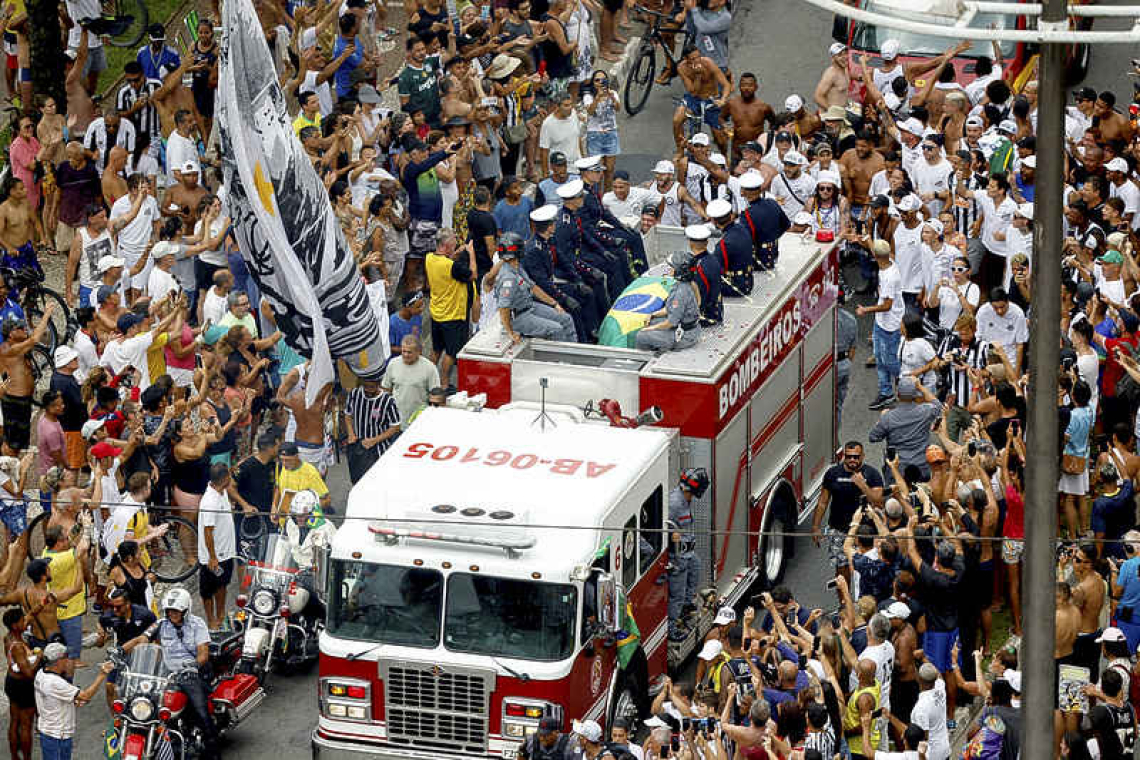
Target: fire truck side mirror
[607, 603]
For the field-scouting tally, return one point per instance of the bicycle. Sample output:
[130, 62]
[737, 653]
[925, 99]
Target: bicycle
[642, 73]
[26, 285]
[694, 122]
[124, 22]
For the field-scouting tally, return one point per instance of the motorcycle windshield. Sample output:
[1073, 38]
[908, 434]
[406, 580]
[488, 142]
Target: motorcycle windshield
[273, 552]
[146, 660]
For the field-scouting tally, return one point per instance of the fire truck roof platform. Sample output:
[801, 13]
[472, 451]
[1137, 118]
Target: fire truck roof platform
[717, 347]
[476, 483]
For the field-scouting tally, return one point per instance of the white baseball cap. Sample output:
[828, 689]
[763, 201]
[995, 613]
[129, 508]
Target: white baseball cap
[1031, 162]
[1007, 125]
[589, 163]
[65, 355]
[975, 121]
[828, 177]
[190, 167]
[1117, 164]
[751, 180]
[717, 208]
[718, 159]
[1025, 210]
[588, 730]
[90, 428]
[897, 611]
[571, 189]
[664, 167]
[544, 213]
[108, 262]
[724, 616]
[697, 232]
[700, 138]
[795, 158]
[711, 649]
[890, 50]
[934, 224]
[910, 203]
[912, 125]
[793, 103]
[1112, 634]
[836, 48]
[1014, 679]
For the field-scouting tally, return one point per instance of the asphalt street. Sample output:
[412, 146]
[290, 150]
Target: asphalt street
[785, 43]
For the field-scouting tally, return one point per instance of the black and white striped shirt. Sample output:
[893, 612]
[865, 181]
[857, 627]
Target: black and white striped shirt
[146, 119]
[964, 216]
[372, 416]
[973, 356]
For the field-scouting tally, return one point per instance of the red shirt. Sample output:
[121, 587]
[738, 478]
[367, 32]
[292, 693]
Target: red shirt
[1112, 369]
[113, 422]
[1014, 514]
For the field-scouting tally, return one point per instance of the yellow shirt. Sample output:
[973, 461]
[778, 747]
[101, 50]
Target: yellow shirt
[156, 357]
[852, 725]
[303, 478]
[448, 295]
[138, 526]
[65, 571]
[301, 122]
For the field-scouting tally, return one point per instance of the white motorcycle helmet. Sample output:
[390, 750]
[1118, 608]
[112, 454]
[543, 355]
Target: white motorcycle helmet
[303, 503]
[176, 599]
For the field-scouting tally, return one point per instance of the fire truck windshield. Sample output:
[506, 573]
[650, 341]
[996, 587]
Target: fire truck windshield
[508, 617]
[869, 38]
[384, 603]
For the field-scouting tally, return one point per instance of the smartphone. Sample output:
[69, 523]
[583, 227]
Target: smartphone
[971, 448]
[831, 585]
[891, 452]
[675, 743]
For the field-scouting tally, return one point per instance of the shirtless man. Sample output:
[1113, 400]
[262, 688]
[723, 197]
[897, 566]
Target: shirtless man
[310, 434]
[173, 97]
[834, 83]
[114, 184]
[747, 113]
[1121, 453]
[80, 107]
[1067, 624]
[452, 104]
[15, 362]
[860, 164]
[1111, 123]
[38, 602]
[182, 200]
[20, 230]
[1089, 597]
[705, 85]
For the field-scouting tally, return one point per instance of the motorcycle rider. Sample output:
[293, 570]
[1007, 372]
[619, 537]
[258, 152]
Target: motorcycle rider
[308, 531]
[185, 642]
[124, 621]
[684, 566]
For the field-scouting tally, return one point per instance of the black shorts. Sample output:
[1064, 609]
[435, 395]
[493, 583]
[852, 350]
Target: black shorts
[210, 583]
[613, 6]
[449, 337]
[204, 273]
[20, 692]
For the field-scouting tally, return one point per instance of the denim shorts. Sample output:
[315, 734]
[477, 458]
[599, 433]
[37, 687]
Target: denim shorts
[603, 143]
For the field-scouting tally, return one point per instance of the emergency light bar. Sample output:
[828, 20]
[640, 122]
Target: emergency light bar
[497, 539]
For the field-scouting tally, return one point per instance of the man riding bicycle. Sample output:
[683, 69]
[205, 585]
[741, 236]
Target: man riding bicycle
[706, 89]
[185, 644]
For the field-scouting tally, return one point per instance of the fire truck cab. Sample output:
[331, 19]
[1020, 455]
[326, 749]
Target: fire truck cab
[472, 585]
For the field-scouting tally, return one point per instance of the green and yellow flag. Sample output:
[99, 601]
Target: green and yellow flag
[626, 317]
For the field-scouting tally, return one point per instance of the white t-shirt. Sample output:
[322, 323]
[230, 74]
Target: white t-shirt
[115, 529]
[792, 194]
[890, 287]
[638, 198]
[995, 220]
[561, 135]
[119, 354]
[79, 10]
[1009, 330]
[914, 354]
[884, 657]
[214, 512]
[55, 703]
[134, 237]
[908, 256]
[159, 283]
[214, 258]
[88, 355]
[932, 178]
[929, 714]
[324, 93]
[179, 150]
[1130, 194]
[950, 308]
[214, 307]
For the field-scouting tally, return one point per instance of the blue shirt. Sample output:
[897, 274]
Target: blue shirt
[1113, 516]
[399, 328]
[1080, 423]
[158, 66]
[180, 645]
[10, 309]
[343, 75]
[1128, 578]
[514, 219]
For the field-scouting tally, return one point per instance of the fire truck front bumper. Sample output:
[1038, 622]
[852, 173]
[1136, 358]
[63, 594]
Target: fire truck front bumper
[329, 748]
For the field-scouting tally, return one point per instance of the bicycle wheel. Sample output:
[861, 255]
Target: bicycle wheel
[50, 337]
[42, 367]
[174, 556]
[37, 299]
[129, 16]
[639, 81]
[36, 530]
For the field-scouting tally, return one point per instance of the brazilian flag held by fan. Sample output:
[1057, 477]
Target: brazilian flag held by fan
[628, 313]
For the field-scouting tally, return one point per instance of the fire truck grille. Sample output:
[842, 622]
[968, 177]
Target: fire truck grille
[427, 705]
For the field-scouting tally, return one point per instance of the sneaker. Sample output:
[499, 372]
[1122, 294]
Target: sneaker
[880, 402]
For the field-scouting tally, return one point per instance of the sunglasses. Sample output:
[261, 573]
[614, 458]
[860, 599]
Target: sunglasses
[959, 269]
[852, 456]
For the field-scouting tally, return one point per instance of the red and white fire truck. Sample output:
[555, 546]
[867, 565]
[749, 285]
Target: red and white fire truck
[479, 551]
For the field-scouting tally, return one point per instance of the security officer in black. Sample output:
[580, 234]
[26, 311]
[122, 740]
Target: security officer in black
[707, 274]
[576, 234]
[733, 250]
[765, 221]
[547, 743]
[556, 275]
[630, 243]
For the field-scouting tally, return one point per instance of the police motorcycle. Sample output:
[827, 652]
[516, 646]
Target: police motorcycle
[153, 717]
[280, 617]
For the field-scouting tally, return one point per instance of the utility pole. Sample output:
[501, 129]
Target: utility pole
[1039, 595]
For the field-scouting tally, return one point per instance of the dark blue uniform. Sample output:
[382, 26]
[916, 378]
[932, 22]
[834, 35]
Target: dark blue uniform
[555, 274]
[766, 222]
[632, 242]
[734, 252]
[707, 276]
[574, 236]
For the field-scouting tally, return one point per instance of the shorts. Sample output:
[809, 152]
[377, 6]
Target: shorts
[20, 692]
[25, 74]
[64, 236]
[1011, 550]
[985, 594]
[183, 378]
[422, 235]
[74, 449]
[14, 515]
[96, 60]
[210, 583]
[204, 273]
[613, 6]
[937, 646]
[1074, 485]
[102, 572]
[449, 337]
[72, 631]
[603, 143]
[712, 113]
[834, 544]
[314, 454]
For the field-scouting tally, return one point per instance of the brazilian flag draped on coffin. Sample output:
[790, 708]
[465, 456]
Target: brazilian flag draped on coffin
[626, 317]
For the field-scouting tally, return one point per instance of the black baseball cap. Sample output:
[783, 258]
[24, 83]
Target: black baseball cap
[880, 201]
[412, 297]
[549, 725]
[1084, 93]
[558, 158]
[289, 449]
[752, 146]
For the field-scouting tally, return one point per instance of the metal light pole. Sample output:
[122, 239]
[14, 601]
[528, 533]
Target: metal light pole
[1052, 34]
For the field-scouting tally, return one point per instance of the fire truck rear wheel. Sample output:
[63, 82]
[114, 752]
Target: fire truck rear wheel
[774, 549]
[625, 706]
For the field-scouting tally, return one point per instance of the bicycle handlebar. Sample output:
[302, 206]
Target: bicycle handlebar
[658, 14]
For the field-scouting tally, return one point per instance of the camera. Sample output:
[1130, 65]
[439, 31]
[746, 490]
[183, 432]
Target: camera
[1068, 362]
